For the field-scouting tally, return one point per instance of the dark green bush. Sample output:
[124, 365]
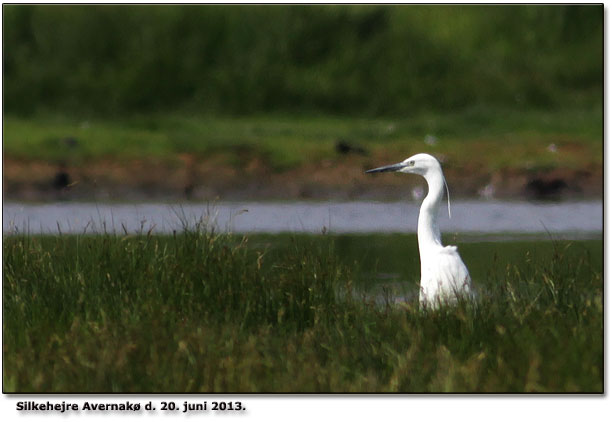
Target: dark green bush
[113, 59]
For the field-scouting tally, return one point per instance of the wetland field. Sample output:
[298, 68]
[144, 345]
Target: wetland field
[116, 143]
[202, 311]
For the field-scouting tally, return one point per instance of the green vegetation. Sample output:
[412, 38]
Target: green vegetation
[366, 60]
[503, 138]
[200, 311]
[268, 92]
[278, 87]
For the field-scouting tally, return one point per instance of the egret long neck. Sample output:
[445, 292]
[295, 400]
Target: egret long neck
[428, 230]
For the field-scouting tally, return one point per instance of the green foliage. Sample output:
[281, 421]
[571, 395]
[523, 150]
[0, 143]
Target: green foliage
[371, 60]
[202, 311]
[502, 137]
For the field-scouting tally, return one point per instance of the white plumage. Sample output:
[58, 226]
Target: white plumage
[444, 276]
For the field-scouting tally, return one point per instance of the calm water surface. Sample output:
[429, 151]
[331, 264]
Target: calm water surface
[573, 219]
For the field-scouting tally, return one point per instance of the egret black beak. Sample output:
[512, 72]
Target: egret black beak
[384, 169]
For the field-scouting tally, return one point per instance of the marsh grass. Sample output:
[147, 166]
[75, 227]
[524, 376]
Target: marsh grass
[213, 312]
[284, 142]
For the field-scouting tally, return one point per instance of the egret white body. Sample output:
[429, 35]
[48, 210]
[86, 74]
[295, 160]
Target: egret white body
[444, 276]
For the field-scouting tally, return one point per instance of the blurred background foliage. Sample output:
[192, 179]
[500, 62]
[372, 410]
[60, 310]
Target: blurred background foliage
[348, 60]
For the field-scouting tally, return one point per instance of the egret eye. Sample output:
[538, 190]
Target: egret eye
[411, 163]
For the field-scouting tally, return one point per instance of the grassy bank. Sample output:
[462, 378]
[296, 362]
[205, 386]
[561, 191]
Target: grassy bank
[200, 311]
[280, 156]
[283, 142]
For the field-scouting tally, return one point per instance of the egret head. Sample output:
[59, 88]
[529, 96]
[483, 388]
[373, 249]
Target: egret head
[422, 164]
[417, 164]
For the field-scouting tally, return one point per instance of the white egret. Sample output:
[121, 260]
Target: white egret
[444, 276]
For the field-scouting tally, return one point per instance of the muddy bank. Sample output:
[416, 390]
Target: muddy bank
[214, 178]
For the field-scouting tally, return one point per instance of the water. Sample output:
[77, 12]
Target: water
[573, 219]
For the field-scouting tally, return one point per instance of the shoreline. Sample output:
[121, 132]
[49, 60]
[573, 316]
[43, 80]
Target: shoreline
[339, 179]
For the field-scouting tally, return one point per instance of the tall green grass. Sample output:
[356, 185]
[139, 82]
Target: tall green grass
[212, 312]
